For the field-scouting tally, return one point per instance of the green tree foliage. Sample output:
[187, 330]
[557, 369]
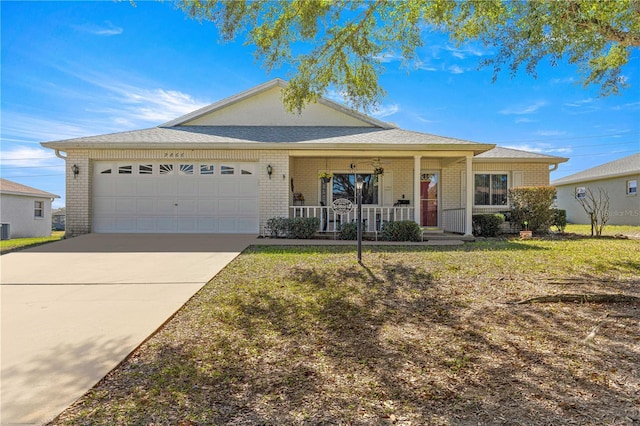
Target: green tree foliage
[343, 44]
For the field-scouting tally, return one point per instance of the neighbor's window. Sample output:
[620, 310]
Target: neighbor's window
[632, 187]
[490, 189]
[38, 211]
[581, 192]
[344, 186]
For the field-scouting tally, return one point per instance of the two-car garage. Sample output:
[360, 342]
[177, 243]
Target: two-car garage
[175, 197]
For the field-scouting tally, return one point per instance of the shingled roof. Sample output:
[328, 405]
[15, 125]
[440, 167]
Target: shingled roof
[509, 154]
[268, 137]
[13, 188]
[624, 166]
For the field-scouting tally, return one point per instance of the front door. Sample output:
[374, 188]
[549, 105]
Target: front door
[429, 199]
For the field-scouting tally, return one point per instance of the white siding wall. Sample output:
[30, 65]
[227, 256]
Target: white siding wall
[18, 211]
[623, 209]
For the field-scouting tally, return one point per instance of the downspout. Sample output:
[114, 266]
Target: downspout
[60, 155]
[553, 167]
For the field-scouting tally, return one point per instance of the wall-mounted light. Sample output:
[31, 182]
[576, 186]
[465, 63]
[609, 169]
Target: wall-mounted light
[269, 170]
[76, 170]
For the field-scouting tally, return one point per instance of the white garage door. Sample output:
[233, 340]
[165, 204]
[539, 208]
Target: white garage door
[175, 197]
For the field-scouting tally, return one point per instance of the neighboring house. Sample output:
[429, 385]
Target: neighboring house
[619, 179]
[231, 166]
[58, 219]
[24, 211]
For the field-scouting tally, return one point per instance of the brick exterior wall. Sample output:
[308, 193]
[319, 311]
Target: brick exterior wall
[276, 193]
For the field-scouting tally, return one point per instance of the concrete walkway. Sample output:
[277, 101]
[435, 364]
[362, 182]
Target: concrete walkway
[73, 310]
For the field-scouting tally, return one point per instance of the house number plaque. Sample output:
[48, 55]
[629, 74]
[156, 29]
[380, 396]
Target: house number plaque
[342, 206]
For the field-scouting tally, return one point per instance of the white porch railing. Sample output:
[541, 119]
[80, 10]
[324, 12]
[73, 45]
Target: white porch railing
[373, 217]
[454, 220]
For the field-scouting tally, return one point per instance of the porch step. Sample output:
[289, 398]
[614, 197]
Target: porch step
[428, 231]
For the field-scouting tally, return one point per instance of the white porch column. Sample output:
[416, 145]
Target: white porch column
[468, 224]
[417, 166]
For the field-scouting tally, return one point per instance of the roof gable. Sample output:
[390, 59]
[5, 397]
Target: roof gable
[262, 106]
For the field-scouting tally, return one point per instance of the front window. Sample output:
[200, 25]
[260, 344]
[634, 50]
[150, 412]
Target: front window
[38, 211]
[490, 189]
[344, 186]
[632, 187]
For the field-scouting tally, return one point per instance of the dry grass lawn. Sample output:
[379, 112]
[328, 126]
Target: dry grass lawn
[306, 336]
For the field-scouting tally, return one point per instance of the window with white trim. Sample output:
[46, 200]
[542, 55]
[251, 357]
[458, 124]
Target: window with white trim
[38, 209]
[490, 189]
[344, 186]
[632, 187]
[581, 192]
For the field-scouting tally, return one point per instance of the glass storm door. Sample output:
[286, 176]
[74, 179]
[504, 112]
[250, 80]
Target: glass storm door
[429, 199]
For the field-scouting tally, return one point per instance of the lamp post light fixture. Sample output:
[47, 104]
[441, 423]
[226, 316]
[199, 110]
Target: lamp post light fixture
[76, 170]
[269, 170]
[359, 186]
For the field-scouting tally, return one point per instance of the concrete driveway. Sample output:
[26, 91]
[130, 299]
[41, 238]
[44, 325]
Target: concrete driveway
[73, 310]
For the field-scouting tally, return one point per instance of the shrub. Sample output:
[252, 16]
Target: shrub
[348, 231]
[559, 219]
[278, 226]
[302, 227]
[487, 224]
[404, 230]
[533, 205]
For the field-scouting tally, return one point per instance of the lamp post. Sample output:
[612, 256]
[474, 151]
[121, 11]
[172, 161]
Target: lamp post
[359, 185]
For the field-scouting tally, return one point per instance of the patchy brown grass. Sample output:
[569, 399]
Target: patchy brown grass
[305, 335]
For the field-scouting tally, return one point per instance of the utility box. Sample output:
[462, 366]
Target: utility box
[5, 232]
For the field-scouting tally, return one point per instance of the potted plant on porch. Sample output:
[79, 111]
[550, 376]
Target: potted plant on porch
[325, 176]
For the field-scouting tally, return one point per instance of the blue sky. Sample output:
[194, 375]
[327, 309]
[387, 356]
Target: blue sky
[74, 69]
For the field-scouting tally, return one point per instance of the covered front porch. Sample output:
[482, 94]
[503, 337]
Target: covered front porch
[426, 187]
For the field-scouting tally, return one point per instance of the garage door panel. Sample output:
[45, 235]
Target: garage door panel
[246, 225]
[207, 186]
[207, 225]
[126, 206]
[228, 188]
[227, 225]
[145, 186]
[126, 223]
[247, 188]
[247, 207]
[167, 197]
[104, 205]
[166, 207]
[188, 224]
[187, 207]
[125, 186]
[166, 224]
[146, 224]
[166, 185]
[207, 207]
[227, 207]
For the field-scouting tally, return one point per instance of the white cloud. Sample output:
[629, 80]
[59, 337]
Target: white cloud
[386, 110]
[580, 103]
[566, 80]
[541, 148]
[108, 29]
[389, 57]
[455, 69]
[29, 157]
[525, 120]
[551, 133]
[522, 110]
